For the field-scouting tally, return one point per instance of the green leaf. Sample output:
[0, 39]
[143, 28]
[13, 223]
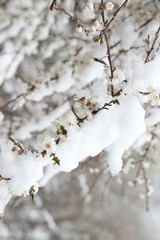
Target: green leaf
[96, 39]
[63, 130]
[55, 159]
[99, 39]
[32, 192]
[115, 101]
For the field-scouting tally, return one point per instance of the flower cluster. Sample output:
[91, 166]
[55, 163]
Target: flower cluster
[50, 138]
[87, 104]
[90, 13]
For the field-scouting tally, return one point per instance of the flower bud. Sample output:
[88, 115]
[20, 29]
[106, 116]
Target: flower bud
[79, 29]
[109, 6]
[96, 24]
[90, 5]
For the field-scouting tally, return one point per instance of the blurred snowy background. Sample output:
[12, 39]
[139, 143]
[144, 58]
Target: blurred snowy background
[86, 204]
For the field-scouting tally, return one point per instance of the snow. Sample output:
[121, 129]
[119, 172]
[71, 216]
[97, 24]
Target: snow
[1, 116]
[5, 196]
[84, 187]
[19, 171]
[154, 117]
[25, 132]
[23, 173]
[140, 74]
[114, 130]
[128, 30]
[60, 65]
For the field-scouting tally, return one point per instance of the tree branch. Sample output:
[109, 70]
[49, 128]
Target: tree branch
[153, 44]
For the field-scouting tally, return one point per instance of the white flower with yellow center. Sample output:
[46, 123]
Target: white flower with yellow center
[48, 143]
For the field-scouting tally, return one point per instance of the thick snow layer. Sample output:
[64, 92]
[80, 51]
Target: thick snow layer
[115, 130]
[23, 169]
[19, 171]
[48, 62]
[142, 75]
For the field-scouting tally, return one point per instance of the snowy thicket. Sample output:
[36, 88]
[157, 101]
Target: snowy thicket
[75, 81]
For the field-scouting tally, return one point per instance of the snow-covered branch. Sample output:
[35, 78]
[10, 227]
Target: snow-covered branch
[88, 77]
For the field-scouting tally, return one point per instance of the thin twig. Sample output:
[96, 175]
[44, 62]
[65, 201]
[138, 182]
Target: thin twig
[105, 106]
[152, 47]
[52, 5]
[80, 120]
[144, 24]
[115, 14]
[4, 178]
[12, 100]
[146, 188]
[142, 170]
[17, 144]
[71, 17]
[108, 47]
[100, 61]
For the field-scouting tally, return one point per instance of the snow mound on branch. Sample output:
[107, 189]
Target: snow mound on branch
[18, 172]
[24, 170]
[115, 130]
[141, 74]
